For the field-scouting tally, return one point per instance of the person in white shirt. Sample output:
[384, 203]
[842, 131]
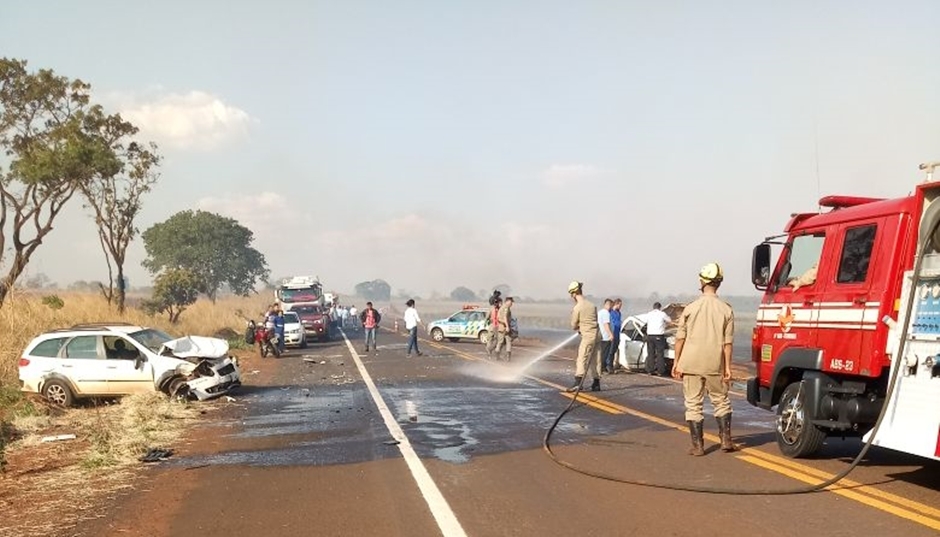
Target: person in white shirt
[607, 335]
[412, 320]
[656, 323]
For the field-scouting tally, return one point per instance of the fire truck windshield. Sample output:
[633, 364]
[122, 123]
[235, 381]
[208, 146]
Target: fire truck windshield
[309, 294]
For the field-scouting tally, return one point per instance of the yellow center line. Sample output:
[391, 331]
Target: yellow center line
[852, 494]
[865, 494]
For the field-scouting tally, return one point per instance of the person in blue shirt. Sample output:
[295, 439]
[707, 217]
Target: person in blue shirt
[279, 329]
[616, 323]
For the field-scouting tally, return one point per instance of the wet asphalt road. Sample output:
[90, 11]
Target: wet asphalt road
[307, 451]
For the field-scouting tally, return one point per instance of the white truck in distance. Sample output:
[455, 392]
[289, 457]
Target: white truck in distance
[299, 290]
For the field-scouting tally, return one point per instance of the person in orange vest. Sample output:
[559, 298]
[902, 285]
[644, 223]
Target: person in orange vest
[496, 303]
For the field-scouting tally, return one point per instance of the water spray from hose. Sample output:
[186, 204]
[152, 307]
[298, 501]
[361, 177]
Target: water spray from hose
[929, 226]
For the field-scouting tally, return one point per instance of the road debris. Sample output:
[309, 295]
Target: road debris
[156, 455]
[58, 438]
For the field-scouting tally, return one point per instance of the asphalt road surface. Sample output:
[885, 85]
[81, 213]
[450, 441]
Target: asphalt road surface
[334, 441]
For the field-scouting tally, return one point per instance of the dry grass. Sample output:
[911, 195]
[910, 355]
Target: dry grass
[25, 316]
[62, 482]
[109, 437]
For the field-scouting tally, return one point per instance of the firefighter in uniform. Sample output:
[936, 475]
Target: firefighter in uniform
[503, 324]
[703, 359]
[584, 321]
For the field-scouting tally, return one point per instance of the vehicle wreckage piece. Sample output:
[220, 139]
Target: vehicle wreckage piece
[208, 371]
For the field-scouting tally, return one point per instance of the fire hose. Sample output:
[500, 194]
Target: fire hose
[932, 218]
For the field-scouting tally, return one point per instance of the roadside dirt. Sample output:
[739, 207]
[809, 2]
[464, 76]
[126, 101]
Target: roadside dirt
[152, 514]
[28, 505]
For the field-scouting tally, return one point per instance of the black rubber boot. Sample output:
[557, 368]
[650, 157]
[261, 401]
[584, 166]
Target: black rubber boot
[596, 385]
[724, 431]
[575, 386]
[696, 431]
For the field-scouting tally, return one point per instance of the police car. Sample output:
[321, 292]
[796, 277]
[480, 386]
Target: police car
[471, 322]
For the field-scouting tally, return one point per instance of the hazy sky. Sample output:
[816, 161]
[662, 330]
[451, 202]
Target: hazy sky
[437, 144]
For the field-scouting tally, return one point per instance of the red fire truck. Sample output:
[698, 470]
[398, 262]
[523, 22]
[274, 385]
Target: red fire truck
[832, 320]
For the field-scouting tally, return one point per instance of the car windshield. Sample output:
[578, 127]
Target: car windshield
[151, 338]
[306, 310]
[291, 317]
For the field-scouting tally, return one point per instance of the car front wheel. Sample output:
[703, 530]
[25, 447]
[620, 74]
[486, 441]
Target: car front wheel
[437, 335]
[58, 393]
[177, 388]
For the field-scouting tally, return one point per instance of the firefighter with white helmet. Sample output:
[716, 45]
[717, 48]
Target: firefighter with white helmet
[584, 321]
[703, 359]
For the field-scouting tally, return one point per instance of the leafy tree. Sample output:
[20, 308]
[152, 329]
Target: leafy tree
[173, 291]
[374, 290]
[37, 281]
[115, 202]
[463, 294]
[85, 287]
[54, 141]
[215, 249]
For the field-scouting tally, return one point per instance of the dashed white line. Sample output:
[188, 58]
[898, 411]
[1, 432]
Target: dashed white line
[443, 515]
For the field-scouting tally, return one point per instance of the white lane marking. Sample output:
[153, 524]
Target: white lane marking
[443, 515]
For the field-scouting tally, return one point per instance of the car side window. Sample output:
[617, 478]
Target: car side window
[48, 348]
[630, 331]
[478, 316]
[460, 317]
[118, 348]
[856, 254]
[82, 347]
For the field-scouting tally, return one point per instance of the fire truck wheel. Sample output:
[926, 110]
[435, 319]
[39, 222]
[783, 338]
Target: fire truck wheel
[796, 437]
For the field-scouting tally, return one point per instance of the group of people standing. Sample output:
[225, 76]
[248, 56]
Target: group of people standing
[341, 316]
[609, 326]
[704, 338]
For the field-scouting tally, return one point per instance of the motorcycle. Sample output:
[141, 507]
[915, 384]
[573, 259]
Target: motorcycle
[266, 339]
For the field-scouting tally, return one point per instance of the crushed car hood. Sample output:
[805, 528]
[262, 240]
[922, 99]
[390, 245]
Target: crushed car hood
[197, 347]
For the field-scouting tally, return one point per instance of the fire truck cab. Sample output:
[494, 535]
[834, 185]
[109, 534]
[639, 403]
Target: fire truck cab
[822, 344]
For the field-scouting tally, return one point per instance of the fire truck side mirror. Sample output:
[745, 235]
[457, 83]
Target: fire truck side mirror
[760, 266]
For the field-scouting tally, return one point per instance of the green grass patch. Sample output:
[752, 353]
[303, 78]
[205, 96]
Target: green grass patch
[238, 344]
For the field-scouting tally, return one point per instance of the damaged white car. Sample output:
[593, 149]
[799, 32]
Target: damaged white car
[110, 360]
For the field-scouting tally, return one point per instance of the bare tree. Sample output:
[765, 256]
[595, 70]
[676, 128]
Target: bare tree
[115, 202]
